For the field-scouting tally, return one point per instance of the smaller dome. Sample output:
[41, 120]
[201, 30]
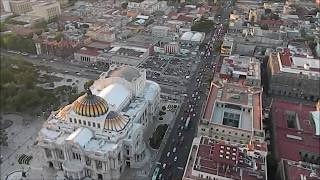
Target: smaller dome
[115, 121]
[90, 105]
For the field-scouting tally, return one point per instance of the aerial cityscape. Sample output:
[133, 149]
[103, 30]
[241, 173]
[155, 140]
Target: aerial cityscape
[160, 90]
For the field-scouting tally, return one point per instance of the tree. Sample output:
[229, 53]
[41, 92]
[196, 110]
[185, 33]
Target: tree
[203, 25]
[265, 27]
[15, 42]
[3, 138]
[217, 46]
[88, 84]
[40, 25]
[3, 27]
[58, 37]
[124, 5]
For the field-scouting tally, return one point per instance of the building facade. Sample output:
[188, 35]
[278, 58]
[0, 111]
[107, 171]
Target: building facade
[20, 6]
[101, 133]
[47, 10]
[296, 77]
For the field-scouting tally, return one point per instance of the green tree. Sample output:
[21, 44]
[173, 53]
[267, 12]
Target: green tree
[124, 5]
[88, 84]
[40, 25]
[217, 46]
[3, 27]
[203, 25]
[265, 27]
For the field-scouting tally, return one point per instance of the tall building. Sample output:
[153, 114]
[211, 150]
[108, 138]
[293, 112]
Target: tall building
[232, 113]
[101, 133]
[296, 130]
[5, 6]
[243, 68]
[215, 159]
[47, 10]
[294, 76]
[20, 6]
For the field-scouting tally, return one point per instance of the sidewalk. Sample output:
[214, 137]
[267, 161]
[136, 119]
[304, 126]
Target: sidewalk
[21, 138]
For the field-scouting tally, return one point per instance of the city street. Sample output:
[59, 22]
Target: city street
[175, 153]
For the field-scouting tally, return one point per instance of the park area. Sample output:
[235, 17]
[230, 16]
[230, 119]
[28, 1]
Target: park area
[23, 91]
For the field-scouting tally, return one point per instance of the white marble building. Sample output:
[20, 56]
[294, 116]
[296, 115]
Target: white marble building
[101, 133]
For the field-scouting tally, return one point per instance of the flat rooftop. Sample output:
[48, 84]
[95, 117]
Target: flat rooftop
[240, 67]
[295, 131]
[224, 159]
[234, 106]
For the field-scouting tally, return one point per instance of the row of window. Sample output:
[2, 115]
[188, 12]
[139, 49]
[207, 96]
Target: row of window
[84, 122]
[87, 59]
[236, 134]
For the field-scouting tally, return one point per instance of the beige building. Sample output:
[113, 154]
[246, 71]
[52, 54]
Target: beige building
[20, 7]
[48, 10]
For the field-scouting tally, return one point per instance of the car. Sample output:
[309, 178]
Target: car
[168, 154]
[95, 68]
[179, 134]
[160, 176]
[174, 149]
[51, 61]
[175, 159]
[66, 71]
[78, 73]
[164, 165]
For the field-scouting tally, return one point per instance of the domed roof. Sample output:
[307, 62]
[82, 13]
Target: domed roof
[115, 121]
[90, 105]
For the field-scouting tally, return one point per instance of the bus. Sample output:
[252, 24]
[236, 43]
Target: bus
[187, 123]
[155, 173]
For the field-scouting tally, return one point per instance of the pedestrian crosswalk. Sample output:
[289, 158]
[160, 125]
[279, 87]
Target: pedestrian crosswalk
[24, 159]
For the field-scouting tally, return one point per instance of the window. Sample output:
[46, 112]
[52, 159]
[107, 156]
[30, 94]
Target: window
[75, 120]
[70, 120]
[217, 130]
[94, 124]
[84, 123]
[98, 125]
[48, 152]
[80, 121]
[291, 120]
[203, 129]
[89, 123]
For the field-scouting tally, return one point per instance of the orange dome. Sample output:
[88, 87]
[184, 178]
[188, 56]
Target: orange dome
[90, 105]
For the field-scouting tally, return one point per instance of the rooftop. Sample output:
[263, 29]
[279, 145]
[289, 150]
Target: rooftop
[303, 170]
[295, 131]
[240, 67]
[217, 158]
[285, 62]
[89, 51]
[233, 105]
